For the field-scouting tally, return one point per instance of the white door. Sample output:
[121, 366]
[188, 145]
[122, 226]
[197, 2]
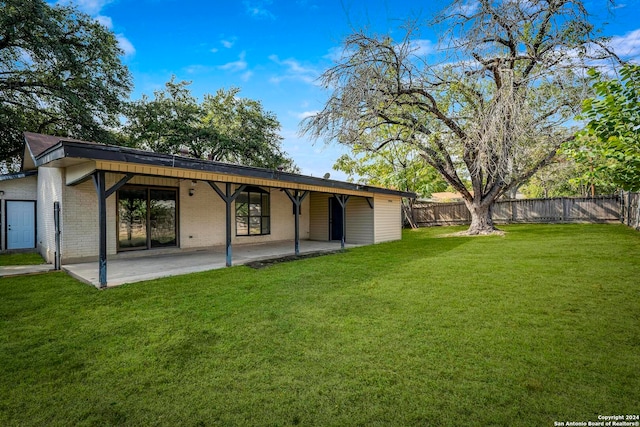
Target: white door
[21, 225]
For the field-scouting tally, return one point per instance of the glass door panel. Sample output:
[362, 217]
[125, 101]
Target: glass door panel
[162, 217]
[132, 214]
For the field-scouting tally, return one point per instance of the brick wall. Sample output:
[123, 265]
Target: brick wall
[50, 189]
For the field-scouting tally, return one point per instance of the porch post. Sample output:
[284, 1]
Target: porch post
[228, 228]
[296, 198]
[343, 199]
[228, 197]
[56, 225]
[98, 180]
[103, 193]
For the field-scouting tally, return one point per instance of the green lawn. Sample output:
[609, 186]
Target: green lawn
[21, 259]
[541, 325]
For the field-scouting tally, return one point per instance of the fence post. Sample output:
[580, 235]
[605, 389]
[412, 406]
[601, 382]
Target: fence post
[513, 213]
[629, 208]
[563, 218]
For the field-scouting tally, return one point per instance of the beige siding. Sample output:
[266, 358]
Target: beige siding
[50, 189]
[16, 189]
[319, 216]
[359, 221]
[387, 218]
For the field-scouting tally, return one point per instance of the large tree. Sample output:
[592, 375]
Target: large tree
[224, 127]
[60, 73]
[487, 113]
[610, 144]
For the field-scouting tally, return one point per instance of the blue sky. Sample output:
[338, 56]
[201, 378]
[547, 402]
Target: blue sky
[275, 49]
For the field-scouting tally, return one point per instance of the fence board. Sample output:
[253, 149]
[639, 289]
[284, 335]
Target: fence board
[561, 209]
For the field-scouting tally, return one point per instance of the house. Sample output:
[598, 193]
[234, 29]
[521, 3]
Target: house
[77, 200]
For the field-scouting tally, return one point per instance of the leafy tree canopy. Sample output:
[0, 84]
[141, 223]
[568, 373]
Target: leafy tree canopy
[610, 143]
[487, 113]
[394, 166]
[565, 177]
[60, 73]
[224, 127]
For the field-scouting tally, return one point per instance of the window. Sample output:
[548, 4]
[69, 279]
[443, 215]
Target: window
[146, 217]
[252, 212]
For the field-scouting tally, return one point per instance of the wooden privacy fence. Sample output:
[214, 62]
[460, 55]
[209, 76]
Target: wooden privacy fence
[630, 210]
[614, 208]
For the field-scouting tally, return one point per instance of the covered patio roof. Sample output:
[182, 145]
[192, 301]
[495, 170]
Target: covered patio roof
[84, 160]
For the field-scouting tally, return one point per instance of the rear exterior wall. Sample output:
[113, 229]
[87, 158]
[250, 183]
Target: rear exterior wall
[360, 225]
[200, 218]
[387, 218]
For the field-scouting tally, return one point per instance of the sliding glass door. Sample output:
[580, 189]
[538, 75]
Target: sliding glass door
[162, 217]
[146, 217]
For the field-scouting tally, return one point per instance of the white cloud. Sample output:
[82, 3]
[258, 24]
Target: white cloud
[198, 69]
[125, 45]
[238, 65]
[294, 70]
[91, 7]
[105, 21]
[214, 50]
[335, 53]
[258, 9]
[423, 47]
[228, 42]
[467, 8]
[627, 46]
[303, 115]
[246, 76]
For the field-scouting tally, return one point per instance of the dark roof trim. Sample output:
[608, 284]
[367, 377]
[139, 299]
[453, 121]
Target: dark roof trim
[129, 155]
[18, 175]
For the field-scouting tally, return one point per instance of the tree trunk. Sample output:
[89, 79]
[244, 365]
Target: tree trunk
[481, 218]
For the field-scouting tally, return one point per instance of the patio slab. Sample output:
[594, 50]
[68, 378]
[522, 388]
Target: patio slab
[122, 269]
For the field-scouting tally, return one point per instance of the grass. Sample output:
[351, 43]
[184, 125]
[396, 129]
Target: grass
[541, 325]
[27, 258]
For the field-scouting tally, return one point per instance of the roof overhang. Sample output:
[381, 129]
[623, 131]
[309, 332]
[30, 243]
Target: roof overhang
[113, 158]
[18, 175]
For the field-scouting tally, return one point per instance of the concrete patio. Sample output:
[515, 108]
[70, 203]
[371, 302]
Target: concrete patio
[147, 265]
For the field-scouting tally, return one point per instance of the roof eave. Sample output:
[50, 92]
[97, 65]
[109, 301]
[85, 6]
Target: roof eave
[128, 155]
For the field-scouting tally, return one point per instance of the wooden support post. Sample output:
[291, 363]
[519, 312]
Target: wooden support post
[57, 231]
[103, 193]
[98, 180]
[296, 198]
[228, 197]
[342, 199]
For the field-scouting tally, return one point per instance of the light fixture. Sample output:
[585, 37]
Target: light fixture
[192, 190]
